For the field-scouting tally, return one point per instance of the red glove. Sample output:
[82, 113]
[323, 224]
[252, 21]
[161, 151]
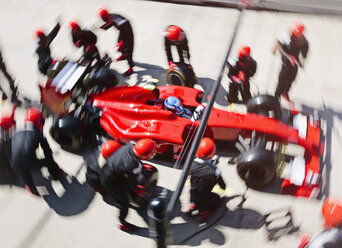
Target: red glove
[78, 43]
[120, 45]
[171, 65]
[241, 76]
[140, 191]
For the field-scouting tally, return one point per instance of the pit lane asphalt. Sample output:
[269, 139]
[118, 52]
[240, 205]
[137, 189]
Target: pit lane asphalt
[74, 216]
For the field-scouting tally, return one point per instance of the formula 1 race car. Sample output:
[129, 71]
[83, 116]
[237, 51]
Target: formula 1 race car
[131, 113]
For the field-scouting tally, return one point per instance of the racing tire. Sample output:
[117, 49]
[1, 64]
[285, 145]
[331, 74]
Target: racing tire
[148, 179]
[257, 167]
[102, 77]
[182, 75]
[65, 131]
[265, 105]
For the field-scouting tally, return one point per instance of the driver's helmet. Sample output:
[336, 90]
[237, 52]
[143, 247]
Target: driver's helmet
[174, 104]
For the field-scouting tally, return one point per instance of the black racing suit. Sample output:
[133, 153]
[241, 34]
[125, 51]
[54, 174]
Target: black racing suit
[118, 175]
[9, 78]
[204, 176]
[182, 48]
[87, 39]
[288, 71]
[23, 155]
[43, 50]
[125, 35]
[248, 67]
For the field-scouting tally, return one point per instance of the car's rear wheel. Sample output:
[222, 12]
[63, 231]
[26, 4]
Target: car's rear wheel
[182, 75]
[257, 167]
[265, 105]
[66, 132]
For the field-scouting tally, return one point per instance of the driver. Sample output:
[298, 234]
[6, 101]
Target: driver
[173, 104]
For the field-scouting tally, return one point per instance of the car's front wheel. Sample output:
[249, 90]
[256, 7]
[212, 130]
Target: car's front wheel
[257, 167]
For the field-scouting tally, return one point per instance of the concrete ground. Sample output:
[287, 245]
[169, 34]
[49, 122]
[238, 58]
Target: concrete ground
[70, 214]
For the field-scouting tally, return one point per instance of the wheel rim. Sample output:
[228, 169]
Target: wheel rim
[175, 79]
[255, 175]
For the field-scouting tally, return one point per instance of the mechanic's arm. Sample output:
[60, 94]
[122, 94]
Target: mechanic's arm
[252, 69]
[46, 148]
[53, 34]
[168, 50]
[305, 49]
[219, 178]
[186, 48]
[107, 25]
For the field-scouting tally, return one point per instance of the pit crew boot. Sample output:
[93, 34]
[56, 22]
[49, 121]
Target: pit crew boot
[129, 72]
[191, 210]
[32, 190]
[128, 227]
[203, 216]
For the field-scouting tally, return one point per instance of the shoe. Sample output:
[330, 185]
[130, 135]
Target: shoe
[127, 227]
[129, 72]
[122, 57]
[33, 191]
[4, 96]
[203, 216]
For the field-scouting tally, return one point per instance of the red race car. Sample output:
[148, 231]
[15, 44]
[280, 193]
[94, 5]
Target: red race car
[130, 113]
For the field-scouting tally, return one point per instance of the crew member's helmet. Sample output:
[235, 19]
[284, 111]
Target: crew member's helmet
[297, 29]
[174, 33]
[104, 14]
[174, 104]
[109, 147]
[332, 212]
[145, 149]
[39, 34]
[206, 149]
[74, 26]
[34, 116]
[244, 52]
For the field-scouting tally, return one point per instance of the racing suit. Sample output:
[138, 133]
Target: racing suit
[87, 39]
[290, 51]
[328, 239]
[43, 50]
[23, 155]
[119, 175]
[125, 35]
[204, 176]
[182, 48]
[248, 69]
[9, 78]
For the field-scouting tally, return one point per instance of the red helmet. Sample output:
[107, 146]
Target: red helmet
[332, 212]
[244, 51]
[104, 14]
[145, 149]
[7, 121]
[36, 117]
[109, 147]
[174, 33]
[206, 149]
[297, 29]
[39, 34]
[74, 26]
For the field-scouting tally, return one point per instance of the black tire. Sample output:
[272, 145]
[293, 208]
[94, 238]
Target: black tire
[148, 179]
[265, 105]
[182, 75]
[103, 77]
[257, 167]
[66, 132]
